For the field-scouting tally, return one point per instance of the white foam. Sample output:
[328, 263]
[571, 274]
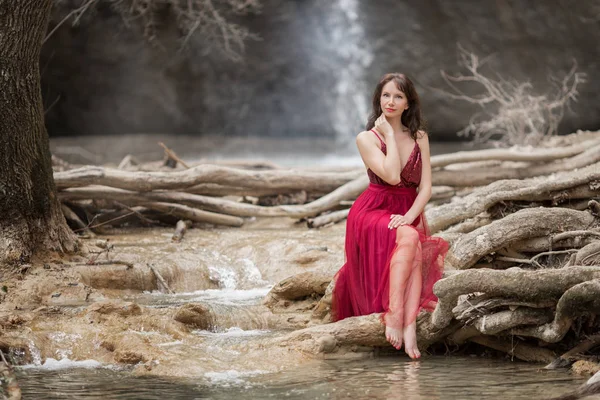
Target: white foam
[65, 363]
[233, 332]
[231, 377]
[229, 296]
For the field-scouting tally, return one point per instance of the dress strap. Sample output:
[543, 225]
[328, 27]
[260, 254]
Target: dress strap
[378, 137]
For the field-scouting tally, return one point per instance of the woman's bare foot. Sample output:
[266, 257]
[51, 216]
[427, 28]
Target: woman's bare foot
[394, 336]
[410, 341]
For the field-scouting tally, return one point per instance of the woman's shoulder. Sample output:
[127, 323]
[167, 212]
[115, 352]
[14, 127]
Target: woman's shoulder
[366, 136]
[422, 137]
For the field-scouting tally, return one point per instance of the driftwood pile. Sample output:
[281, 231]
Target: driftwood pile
[522, 275]
[227, 194]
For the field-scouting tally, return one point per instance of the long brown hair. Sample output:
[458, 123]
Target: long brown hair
[411, 118]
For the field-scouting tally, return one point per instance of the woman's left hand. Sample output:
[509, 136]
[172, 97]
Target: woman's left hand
[397, 220]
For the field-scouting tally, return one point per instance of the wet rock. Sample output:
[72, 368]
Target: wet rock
[298, 287]
[130, 348]
[124, 309]
[10, 320]
[196, 315]
[322, 311]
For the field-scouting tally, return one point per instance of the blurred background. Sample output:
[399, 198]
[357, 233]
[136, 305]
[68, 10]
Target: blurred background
[275, 77]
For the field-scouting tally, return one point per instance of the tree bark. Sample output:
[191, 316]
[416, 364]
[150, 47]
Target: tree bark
[30, 214]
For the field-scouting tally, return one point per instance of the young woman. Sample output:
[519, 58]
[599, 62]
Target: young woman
[391, 261]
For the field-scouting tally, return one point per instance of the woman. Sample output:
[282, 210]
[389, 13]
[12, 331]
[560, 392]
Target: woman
[391, 261]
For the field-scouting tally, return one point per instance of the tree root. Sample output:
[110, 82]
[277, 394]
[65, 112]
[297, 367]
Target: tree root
[562, 186]
[580, 299]
[513, 283]
[524, 224]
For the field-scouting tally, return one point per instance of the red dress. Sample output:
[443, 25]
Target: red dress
[363, 283]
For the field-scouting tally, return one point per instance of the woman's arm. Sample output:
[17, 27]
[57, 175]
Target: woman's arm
[387, 167]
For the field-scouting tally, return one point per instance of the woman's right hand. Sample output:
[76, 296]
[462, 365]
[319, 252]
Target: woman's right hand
[383, 126]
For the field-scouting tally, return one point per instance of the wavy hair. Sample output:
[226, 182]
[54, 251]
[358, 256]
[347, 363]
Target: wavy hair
[412, 117]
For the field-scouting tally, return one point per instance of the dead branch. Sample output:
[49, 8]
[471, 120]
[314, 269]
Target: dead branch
[172, 155]
[567, 358]
[185, 212]
[180, 229]
[521, 116]
[160, 278]
[74, 219]
[326, 219]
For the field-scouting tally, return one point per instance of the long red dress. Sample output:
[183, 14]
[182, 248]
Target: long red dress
[363, 283]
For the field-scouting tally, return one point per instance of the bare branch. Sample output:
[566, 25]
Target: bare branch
[521, 117]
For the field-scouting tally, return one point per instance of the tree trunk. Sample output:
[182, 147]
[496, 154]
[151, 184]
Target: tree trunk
[30, 214]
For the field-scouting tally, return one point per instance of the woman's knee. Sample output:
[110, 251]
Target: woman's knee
[407, 235]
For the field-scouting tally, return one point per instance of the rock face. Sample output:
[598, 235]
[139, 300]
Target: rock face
[313, 72]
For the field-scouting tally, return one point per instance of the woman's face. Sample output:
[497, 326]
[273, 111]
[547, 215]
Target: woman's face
[393, 101]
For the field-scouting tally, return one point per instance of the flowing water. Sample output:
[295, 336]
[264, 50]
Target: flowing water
[375, 377]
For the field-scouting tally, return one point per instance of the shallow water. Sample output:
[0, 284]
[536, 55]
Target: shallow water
[388, 377]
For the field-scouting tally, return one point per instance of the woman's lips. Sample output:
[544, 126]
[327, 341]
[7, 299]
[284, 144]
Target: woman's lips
[390, 109]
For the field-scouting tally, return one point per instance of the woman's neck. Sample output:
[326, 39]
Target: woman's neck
[396, 124]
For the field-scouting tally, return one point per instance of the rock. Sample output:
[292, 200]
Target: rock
[584, 367]
[124, 309]
[327, 344]
[196, 315]
[69, 295]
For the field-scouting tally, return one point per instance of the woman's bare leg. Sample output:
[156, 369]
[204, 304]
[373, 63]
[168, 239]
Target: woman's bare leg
[400, 270]
[411, 305]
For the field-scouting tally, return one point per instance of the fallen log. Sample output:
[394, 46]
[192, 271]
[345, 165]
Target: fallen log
[347, 191]
[365, 331]
[484, 176]
[513, 154]
[520, 350]
[565, 185]
[177, 180]
[184, 212]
